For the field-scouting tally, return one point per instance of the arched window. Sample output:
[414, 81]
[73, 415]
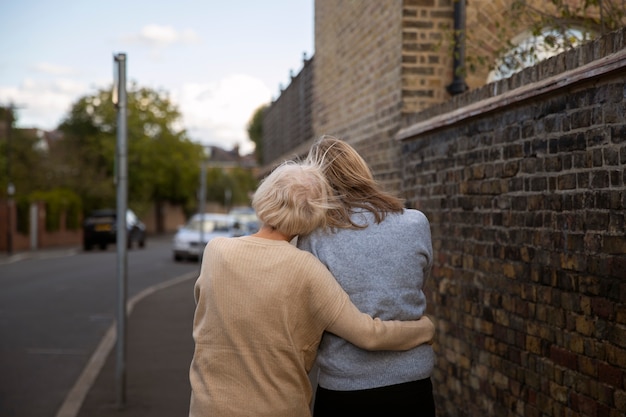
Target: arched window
[529, 49]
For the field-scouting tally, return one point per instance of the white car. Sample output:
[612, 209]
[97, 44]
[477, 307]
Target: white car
[247, 220]
[190, 239]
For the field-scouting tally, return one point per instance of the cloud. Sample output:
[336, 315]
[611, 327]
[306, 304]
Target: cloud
[218, 113]
[215, 113]
[42, 104]
[158, 36]
[52, 69]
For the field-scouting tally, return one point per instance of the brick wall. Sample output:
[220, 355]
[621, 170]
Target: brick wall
[426, 63]
[167, 218]
[374, 61]
[45, 239]
[358, 78]
[525, 187]
[490, 26]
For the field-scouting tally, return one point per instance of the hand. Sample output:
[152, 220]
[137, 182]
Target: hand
[430, 328]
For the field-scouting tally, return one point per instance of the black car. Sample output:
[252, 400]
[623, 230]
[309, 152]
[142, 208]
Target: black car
[99, 229]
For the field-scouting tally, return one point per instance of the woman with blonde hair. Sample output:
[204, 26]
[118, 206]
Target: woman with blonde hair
[381, 254]
[263, 304]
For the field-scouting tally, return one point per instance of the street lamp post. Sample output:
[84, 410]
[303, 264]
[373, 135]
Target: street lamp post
[10, 186]
[202, 196]
[10, 194]
[120, 101]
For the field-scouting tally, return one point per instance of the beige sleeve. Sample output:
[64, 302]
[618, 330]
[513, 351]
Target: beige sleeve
[374, 334]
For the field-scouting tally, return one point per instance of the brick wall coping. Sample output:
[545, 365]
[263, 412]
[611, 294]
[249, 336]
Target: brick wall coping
[603, 66]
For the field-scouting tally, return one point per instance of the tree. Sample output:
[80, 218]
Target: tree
[23, 158]
[163, 164]
[255, 132]
[230, 187]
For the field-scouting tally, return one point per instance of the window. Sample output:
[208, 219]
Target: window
[531, 49]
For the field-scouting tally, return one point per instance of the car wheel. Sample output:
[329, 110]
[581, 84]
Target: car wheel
[177, 257]
[103, 246]
[87, 246]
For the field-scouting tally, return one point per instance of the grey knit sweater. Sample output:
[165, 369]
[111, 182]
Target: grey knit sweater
[382, 268]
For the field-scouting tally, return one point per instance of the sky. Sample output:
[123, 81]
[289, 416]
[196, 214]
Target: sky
[217, 60]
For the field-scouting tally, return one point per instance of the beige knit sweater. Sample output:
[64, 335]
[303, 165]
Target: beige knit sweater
[262, 306]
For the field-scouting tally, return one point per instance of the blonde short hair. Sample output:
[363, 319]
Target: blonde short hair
[294, 198]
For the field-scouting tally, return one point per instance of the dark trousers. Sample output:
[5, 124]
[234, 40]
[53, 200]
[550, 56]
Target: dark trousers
[414, 399]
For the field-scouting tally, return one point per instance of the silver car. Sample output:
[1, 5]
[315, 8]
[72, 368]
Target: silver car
[247, 220]
[190, 239]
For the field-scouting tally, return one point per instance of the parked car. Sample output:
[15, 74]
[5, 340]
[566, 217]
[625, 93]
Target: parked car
[99, 229]
[247, 220]
[190, 239]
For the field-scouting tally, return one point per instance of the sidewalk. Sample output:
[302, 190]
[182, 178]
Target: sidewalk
[159, 348]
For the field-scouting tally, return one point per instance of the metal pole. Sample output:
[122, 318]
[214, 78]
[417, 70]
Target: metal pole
[201, 206]
[10, 186]
[122, 194]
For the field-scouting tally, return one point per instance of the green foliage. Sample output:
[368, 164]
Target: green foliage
[255, 132]
[22, 161]
[85, 157]
[230, 187]
[246, 184]
[59, 202]
[163, 164]
[22, 208]
[77, 174]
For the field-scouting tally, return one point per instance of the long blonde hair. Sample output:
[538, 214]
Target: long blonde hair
[352, 182]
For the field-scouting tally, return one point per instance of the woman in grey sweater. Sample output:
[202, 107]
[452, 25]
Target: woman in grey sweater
[381, 254]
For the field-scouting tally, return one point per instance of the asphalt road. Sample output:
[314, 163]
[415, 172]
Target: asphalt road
[54, 310]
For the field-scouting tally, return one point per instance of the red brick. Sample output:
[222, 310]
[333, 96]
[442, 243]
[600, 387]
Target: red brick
[585, 405]
[611, 375]
[602, 307]
[618, 266]
[564, 357]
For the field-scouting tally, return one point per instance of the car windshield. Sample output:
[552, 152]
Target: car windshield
[245, 218]
[108, 214]
[209, 225]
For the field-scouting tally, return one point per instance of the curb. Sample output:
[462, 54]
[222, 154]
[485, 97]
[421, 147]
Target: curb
[74, 399]
[42, 254]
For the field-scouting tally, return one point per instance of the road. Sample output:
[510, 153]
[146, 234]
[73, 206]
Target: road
[55, 310]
